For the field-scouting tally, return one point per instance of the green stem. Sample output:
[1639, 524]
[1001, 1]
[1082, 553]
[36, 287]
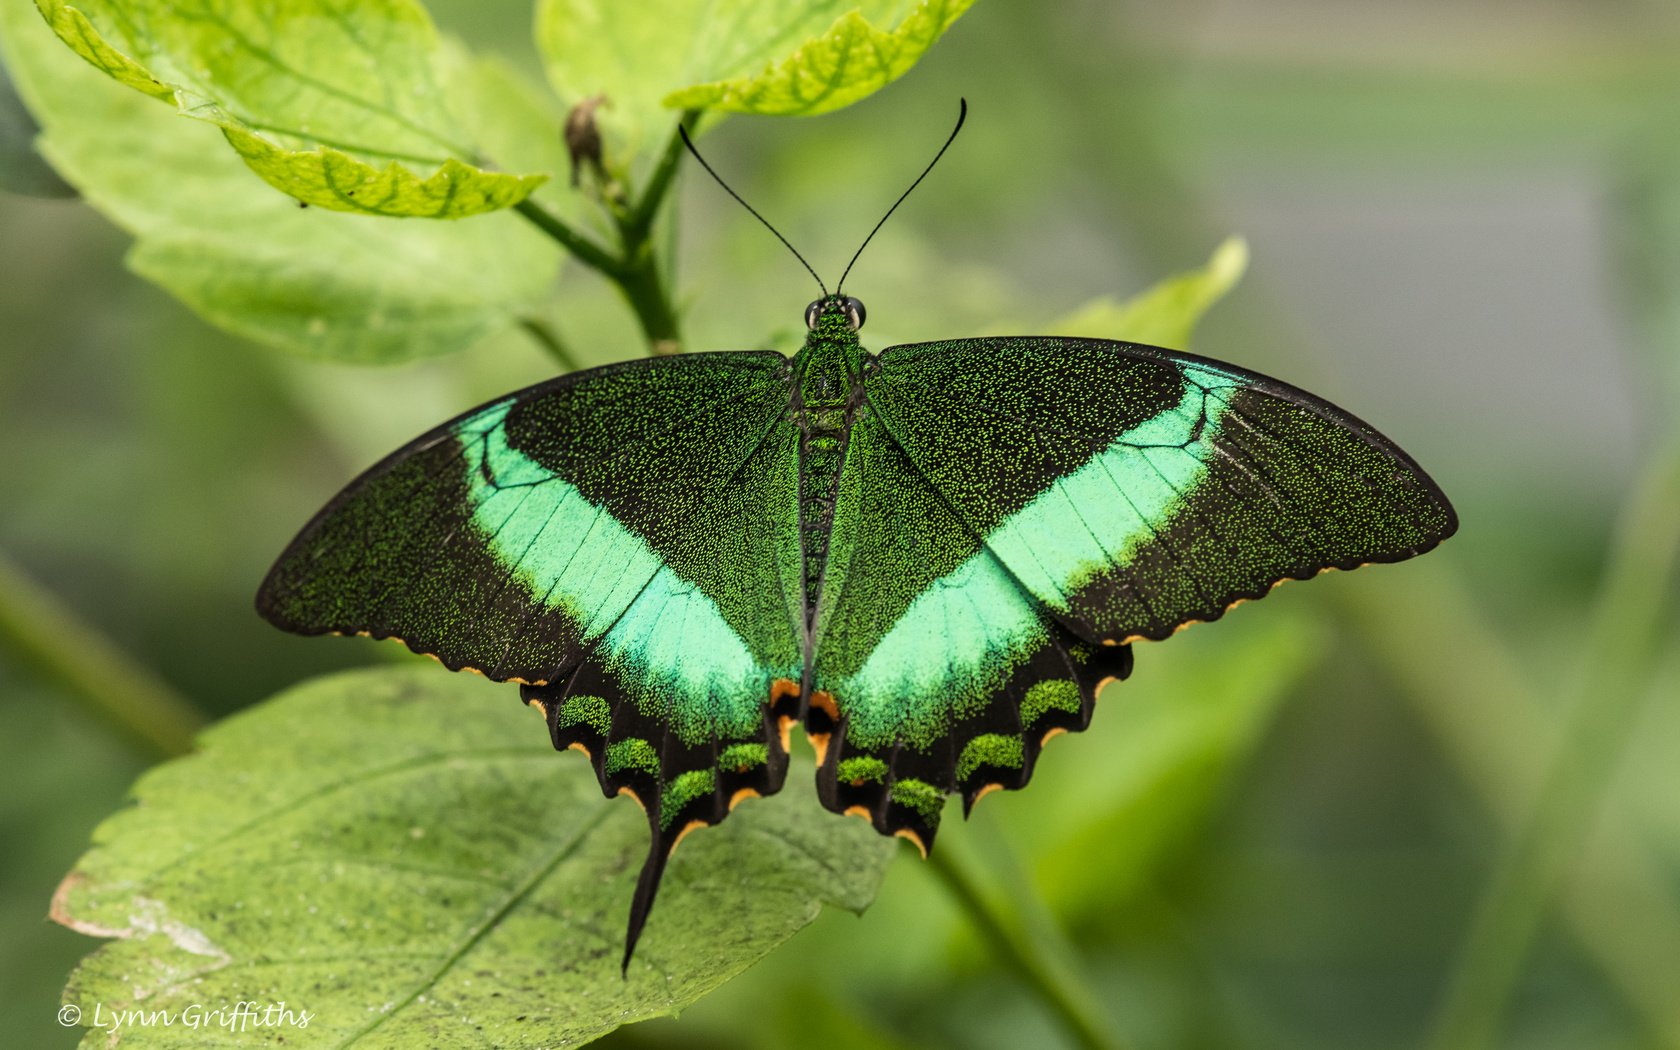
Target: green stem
[1600, 704]
[585, 249]
[637, 223]
[1056, 986]
[549, 339]
[635, 271]
[644, 290]
[90, 668]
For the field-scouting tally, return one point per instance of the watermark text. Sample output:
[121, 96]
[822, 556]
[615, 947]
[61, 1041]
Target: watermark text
[227, 1017]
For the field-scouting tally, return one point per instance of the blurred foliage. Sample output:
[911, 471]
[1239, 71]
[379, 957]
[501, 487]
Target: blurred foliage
[22, 169]
[1462, 219]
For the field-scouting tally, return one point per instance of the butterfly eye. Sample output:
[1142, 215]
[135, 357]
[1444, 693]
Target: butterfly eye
[854, 312]
[813, 312]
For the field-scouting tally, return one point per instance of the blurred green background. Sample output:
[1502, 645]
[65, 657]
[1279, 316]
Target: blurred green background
[1465, 227]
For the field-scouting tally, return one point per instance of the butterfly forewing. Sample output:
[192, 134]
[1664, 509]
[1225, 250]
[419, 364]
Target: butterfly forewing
[623, 540]
[1132, 490]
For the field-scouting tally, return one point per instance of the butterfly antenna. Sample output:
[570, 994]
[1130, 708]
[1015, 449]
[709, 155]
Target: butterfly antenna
[962, 115]
[719, 178]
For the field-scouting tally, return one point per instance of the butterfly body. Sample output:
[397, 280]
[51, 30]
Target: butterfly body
[932, 558]
[827, 384]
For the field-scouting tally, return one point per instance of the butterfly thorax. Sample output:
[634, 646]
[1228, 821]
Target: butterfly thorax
[825, 392]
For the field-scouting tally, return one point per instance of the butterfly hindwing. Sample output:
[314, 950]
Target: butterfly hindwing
[934, 671]
[623, 541]
[1132, 490]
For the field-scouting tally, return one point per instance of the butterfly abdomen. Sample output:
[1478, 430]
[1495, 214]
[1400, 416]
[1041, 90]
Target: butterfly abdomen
[823, 400]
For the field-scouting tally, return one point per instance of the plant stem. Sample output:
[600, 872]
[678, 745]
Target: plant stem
[644, 290]
[637, 223]
[635, 270]
[1059, 989]
[550, 341]
[585, 249]
[1600, 703]
[75, 655]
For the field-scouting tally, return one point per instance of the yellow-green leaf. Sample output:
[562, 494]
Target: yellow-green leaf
[1166, 314]
[749, 56]
[347, 107]
[852, 60]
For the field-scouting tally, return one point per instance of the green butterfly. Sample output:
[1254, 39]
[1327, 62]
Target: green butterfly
[933, 558]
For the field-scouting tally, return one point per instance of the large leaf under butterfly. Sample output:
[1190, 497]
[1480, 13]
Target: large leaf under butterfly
[931, 558]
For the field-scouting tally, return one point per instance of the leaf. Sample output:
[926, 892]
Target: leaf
[402, 855]
[332, 104]
[328, 284]
[849, 62]
[748, 56]
[1166, 314]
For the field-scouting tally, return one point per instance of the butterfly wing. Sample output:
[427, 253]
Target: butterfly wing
[1013, 512]
[1133, 490]
[622, 541]
[934, 670]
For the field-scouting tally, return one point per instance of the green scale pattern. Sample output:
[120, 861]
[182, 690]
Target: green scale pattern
[933, 557]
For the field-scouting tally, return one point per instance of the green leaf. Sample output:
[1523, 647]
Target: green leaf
[402, 855]
[328, 284]
[332, 104]
[1166, 314]
[849, 62]
[749, 56]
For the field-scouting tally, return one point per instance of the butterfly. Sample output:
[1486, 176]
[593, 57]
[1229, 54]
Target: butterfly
[932, 558]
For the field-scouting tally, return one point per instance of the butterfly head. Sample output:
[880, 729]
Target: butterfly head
[835, 313]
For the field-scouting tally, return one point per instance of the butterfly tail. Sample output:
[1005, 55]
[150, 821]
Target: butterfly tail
[680, 785]
[647, 887]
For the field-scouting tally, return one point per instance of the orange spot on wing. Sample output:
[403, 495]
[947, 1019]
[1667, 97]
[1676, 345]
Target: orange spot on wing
[824, 702]
[984, 791]
[1050, 734]
[683, 834]
[906, 833]
[637, 799]
[741, 796]
[819, 743]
